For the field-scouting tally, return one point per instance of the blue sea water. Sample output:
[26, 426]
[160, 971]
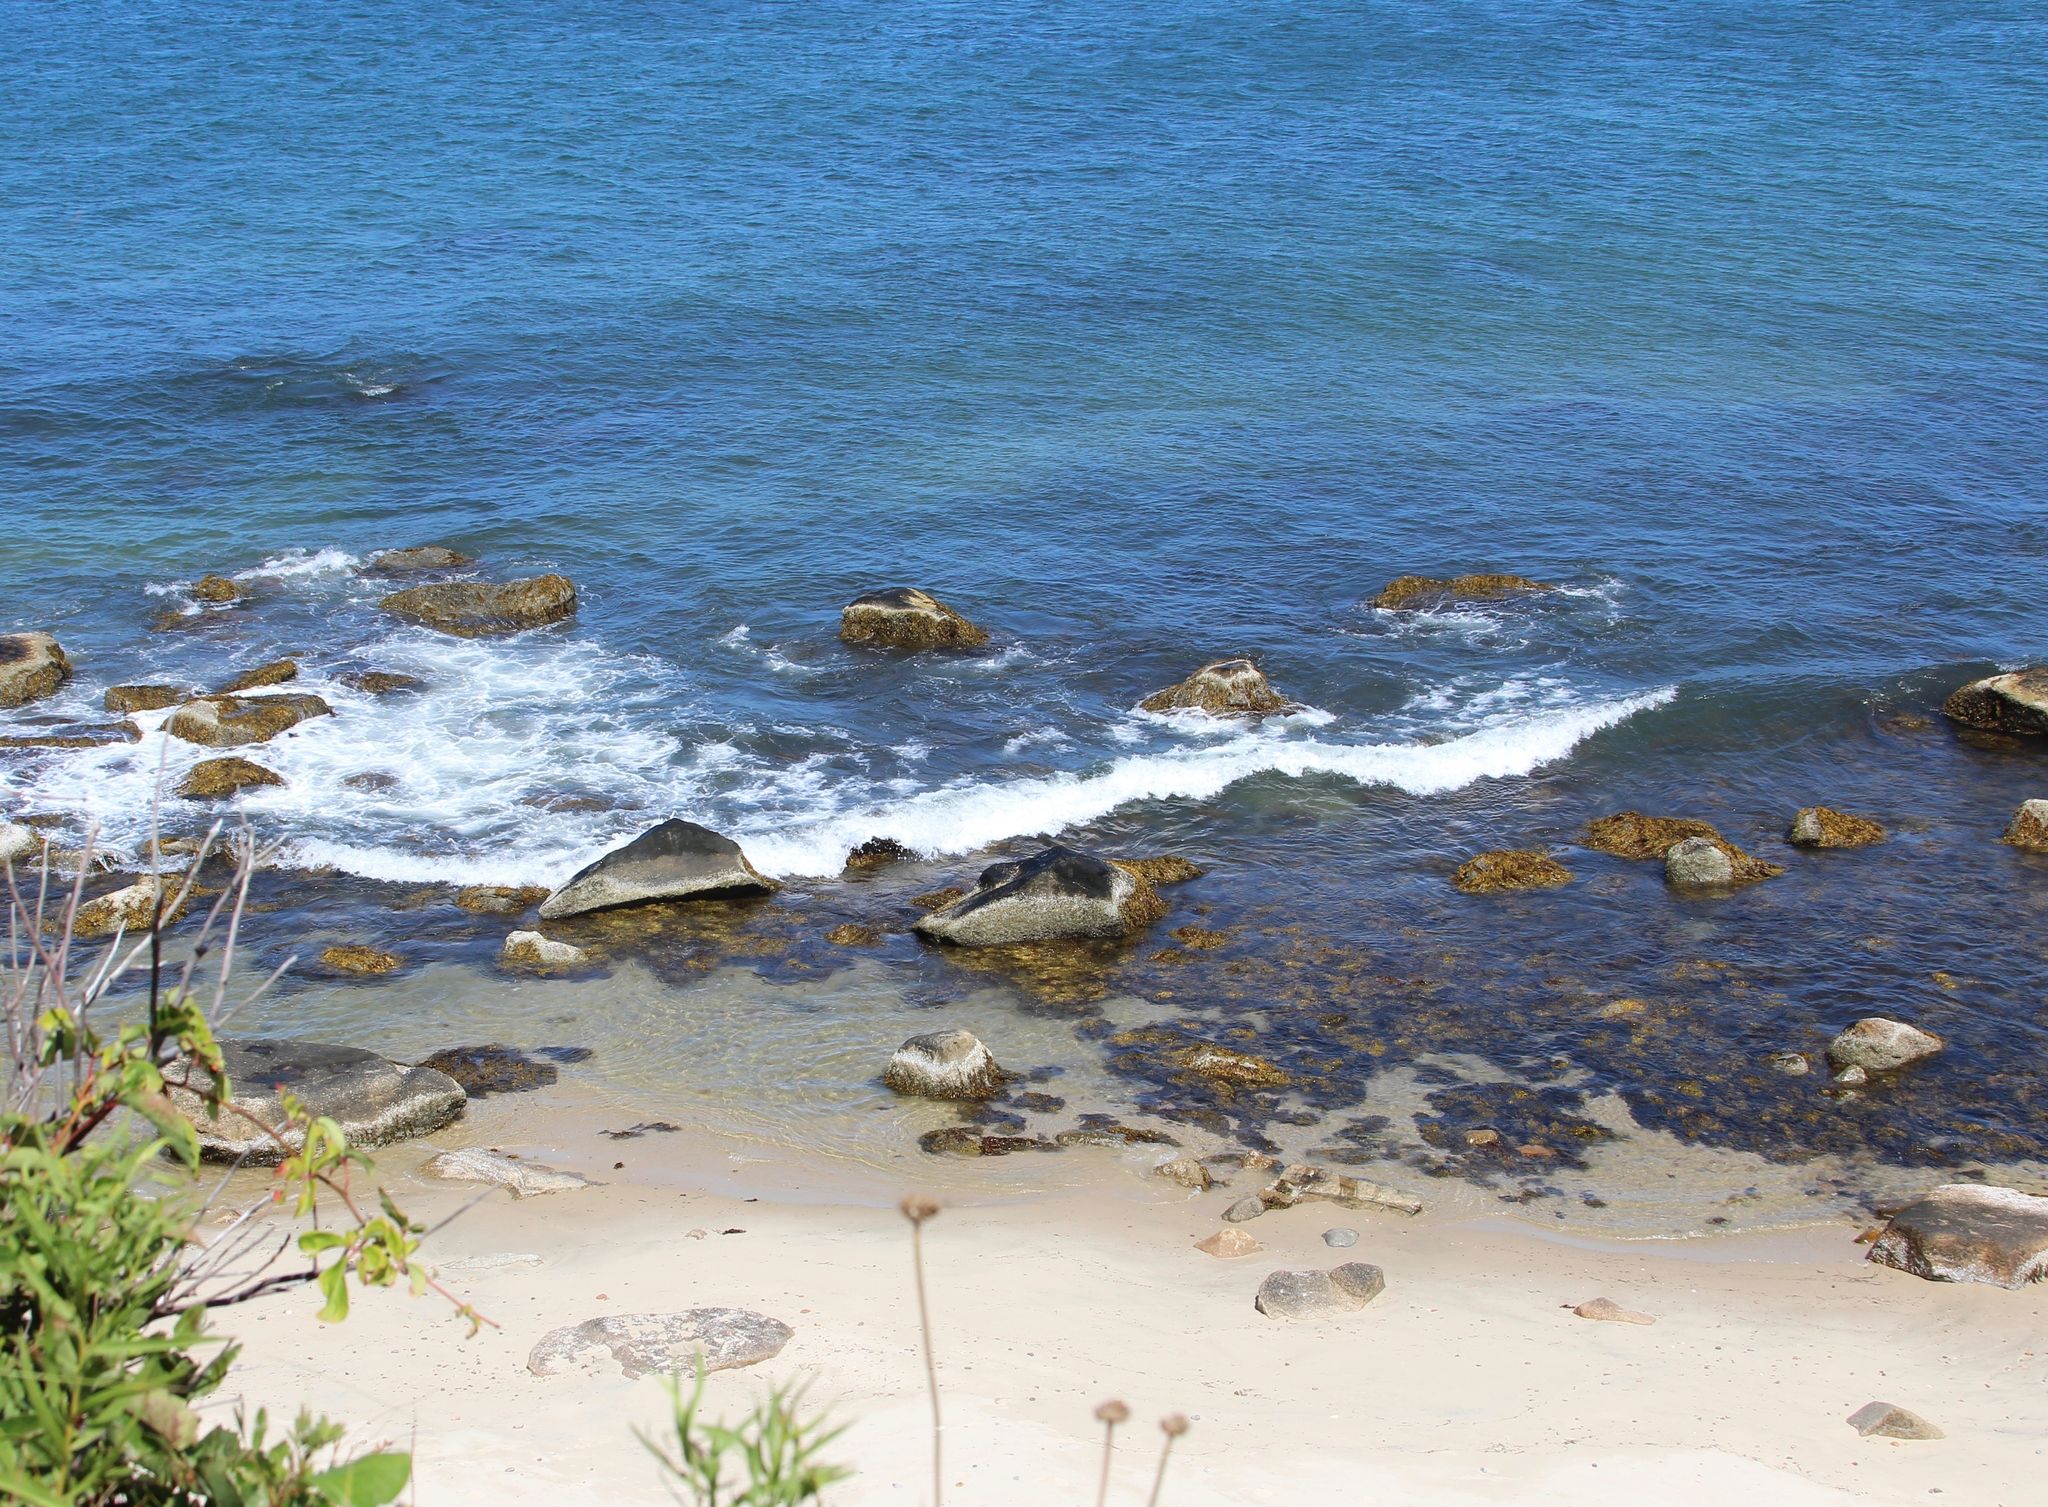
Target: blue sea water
[1142, 334]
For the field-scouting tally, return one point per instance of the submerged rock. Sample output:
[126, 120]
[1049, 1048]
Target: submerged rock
[2014, 703]
[355, 959]
[142, 698]
[1630, 834]
[1825, 827]
[853, 934]
[1223, 688]
[945, 1065]
[902, 617]
[1317, 1295]
[374, 1100]
[277, 672]
[662, 1344]
[1967, 1232]
[492, 1069]
[416, 560]
[32, 666]
[381, 682]
[477, 609]
[216, 591]
[216, 779]
[1510, 869]
[524, 1179]
[1404, 592]
[1891, 1421]
[234, 721]
[529, 949]
[965, 1140]
[2028, 828]
[1878, 1045]
[499, 899]
[1168, 868]
[677, 860]
[1056, 894]
[1223, 1065]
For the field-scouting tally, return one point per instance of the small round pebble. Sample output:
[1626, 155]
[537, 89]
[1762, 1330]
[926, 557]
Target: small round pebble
[1340, 1237]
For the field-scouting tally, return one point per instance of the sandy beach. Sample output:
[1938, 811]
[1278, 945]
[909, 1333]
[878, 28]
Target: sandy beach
[1469, 1380]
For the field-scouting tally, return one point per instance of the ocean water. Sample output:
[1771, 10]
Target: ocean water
[1143, 335]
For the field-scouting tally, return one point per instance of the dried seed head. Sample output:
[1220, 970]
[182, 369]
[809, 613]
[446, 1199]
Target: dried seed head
[1112, 1412]
[917, 1208]
[1173, 1425]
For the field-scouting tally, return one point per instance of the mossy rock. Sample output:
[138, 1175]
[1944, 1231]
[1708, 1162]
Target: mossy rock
[1825, 827]
[1223, 688]
[123, 699]
[216, 779]
[476, 609]
[277, 672]
[216, 590]
[357, 959]
[878, 852]
[500, 899]
[1510, 869]
[232, 721]
[1168, 869]
[903, 617]
[1200, 938]
[938, 899]
[2013, 703]
[851, 934]
[1630, 834]
[1407, 592]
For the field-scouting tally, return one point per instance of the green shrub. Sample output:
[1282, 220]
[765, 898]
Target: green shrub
[767, 1459]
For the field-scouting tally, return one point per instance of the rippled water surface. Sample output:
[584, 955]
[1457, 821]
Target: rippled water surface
[1143, 335]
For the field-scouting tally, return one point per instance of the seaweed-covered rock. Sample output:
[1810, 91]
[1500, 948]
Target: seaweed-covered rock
[32, 666]
[1168, 868]
[130, 908]
[499, 899]
[380, 682]
[1825, 827]
[2029, 827]
[77, 735]
[216, 779]
[1319, 1295]
[1223, 688]
[477, 609]
[1056, 894]
[235, 721]
[492, 1069]
[878, 852]
[529, 949]
[853, 934]
[1878, 1045]
[277, 672]
[216, 591]
[1698, 863]
[357, 959]
[123, 699]
[418, 560]
[662, 1344]
[1406, 592]
[937, 899]
[1226, 1066]
[1967, 1232]
[1510, 869]
[2013, 703]
[374, 1100]
[1630, 834]
[945, 1065]
[902, 617]
[677, 860]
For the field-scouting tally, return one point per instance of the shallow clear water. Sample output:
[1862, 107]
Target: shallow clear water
[1142, 336]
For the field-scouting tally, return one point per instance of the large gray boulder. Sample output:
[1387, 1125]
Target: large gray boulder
[2014, 703]
[480, 609]
[662, 1344]
[677, 860]
[32, 666]
[1058, 893]
[1319, 1295]
[1967, 1232]
[375, 1101]
[236, 721]
[902, 617]
[1878, 1045]
[945, 1065]
[1224, 688]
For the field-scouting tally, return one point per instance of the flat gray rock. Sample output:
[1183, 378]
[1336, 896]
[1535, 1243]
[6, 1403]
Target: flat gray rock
[1057, 893]
[643, 1344]
[1891, 1421]
[1316, 1295]
[375, 1101]
[1965, 1232]
[525, 1179]
[677, 860]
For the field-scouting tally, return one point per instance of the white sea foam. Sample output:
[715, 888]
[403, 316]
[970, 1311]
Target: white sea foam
[299, 562]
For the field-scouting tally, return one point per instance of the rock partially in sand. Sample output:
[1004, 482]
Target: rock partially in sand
[1251, 1206]
[525, 1179]
[2014, 703]
[1405, 592]
[1825, 827]
[499, 899]
[32, 666]
[878, 852]
[1698, 864]
[2028, 828]
[216, 590]
[945, 1065]
[374, 1100]
[1879, 1045]
[277, 672]
[677, 860]
[1510, 869]
[1226, 1066]
[1968, 1232]
[235, 721]
[216, 779]
[1229, 1243]
[1319, 1295]
[142, 698]
[381, 682]
[662, 1344]
[1168, 868]
[1610, 1312]
[492, 1069]
[902, 617]
[853, 934]
[1222, 688]
[1187, 1172]
[356, 959]
[418, 559]
[478, 609]
[529, 949]
[1890, 1421]
[1056, 894]
[131, 908]
[1340, 1239]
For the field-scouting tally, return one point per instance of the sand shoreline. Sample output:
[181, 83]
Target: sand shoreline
[1468, 1381]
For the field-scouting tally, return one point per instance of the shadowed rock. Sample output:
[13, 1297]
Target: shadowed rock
[2028, 828]
[1878, 1045]
[476, 609]
[1407, 592]
[419, 559]
[525, 1179]
[902, 617]
[529, 949]
[216, 779]
[1890, 1421]
[1510, 869]
[142, 698]
[1222, 688]
[662, 1344]
[2014, 703]
[1966, 1232]
[375, 1101]
[32, 666]
[277, 672]
[1825, 827]
[1317, 1295]
[235, 721]
[1058, 893]
[677, 860]
[945, 1065]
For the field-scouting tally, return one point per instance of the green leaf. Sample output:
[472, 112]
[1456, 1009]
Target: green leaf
[313, 1242]
[334, 1283]
[366, 1481]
